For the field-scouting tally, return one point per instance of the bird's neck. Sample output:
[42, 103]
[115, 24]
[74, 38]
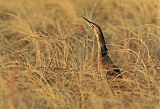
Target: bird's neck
[103, 53]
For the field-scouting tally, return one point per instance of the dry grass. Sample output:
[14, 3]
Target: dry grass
[48, 54]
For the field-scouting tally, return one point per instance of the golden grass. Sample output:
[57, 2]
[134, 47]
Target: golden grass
[48, 54]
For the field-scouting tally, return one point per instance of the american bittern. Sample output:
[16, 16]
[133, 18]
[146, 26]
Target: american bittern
[104, 60]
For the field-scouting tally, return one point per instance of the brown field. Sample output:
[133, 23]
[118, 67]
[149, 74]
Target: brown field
[48, 54]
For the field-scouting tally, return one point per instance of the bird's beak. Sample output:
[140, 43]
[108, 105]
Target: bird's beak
[89, 22]
[86, 19]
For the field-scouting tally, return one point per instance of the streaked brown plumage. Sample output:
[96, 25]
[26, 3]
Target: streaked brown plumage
[104, 60]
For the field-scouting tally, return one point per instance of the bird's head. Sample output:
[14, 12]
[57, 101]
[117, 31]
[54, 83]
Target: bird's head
[94, 27]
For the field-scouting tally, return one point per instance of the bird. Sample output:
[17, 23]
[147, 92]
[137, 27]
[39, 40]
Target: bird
[104, 60]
